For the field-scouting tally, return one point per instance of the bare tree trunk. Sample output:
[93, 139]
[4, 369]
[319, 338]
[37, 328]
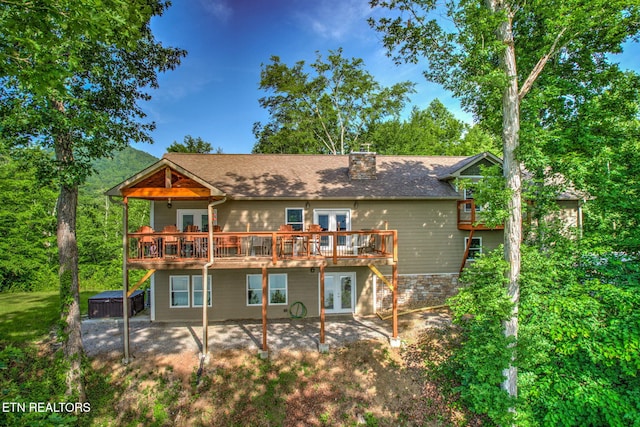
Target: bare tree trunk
[511, 170]
[71, 332]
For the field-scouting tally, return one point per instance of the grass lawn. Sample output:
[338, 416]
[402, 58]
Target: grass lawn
[29, 316]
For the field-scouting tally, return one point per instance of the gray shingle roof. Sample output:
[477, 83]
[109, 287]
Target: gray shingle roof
[320, 176]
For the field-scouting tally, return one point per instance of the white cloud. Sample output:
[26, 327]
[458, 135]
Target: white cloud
[335, 19]
[218, 8]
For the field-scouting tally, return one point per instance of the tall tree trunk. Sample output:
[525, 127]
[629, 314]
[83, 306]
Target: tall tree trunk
[69, 289]
[71, 332]
[511, 171]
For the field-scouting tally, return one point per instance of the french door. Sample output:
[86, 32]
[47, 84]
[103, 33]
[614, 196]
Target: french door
[332, 220]
[339, 292]
[193, 217]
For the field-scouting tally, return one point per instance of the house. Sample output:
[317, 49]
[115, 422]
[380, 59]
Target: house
[264, 236]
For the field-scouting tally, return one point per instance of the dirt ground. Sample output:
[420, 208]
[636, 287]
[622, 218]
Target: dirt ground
[359, 382]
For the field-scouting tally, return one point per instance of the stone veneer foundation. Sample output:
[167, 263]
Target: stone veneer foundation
[418, 290]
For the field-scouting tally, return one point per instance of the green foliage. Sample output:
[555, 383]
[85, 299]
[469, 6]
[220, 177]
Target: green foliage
[578, 348]
[28, 255]
[325, 110]
[27, 377]
[580, 340]
[192, 145]
[490, 193]
[480, 308]
[83, 100]
[27, 216]
[464, 55]
[433, 131]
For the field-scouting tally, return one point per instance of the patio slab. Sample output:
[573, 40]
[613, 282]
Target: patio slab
[104, 336]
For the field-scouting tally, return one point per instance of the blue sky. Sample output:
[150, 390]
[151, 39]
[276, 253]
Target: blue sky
[214, 93]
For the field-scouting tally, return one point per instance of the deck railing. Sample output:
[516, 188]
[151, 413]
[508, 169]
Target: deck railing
[274, 246]
[470, 216]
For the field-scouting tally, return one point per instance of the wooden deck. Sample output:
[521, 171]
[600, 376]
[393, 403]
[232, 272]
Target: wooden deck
[261, 249]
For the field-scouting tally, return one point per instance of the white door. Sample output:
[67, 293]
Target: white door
[339, 292]
[332, 220]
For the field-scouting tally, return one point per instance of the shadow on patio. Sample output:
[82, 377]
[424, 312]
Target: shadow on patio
[104, 336]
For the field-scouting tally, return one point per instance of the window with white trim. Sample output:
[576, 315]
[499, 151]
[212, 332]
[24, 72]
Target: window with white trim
[468, 195]
[295, 218]
[196, 285]
[475, 249]
[254, 289]
[179, 291]
[277, 289]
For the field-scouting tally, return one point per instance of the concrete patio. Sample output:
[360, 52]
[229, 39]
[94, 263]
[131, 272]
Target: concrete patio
[104, 336]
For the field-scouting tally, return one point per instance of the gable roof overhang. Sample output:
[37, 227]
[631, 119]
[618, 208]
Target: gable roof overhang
[456, 171]
[165, 180]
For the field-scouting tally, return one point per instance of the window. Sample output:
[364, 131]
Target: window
[196, 283]
[277, 289]
[295, 218]
[468, 195]
[475, 249]
[254, 289]
[179, 291]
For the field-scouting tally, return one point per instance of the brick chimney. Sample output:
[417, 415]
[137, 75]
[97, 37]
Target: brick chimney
[362, 165]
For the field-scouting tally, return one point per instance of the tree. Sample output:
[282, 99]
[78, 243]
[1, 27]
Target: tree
[325, 110]
[27, 221]
[73, 76]
[192, 145]
[434, 131]
[476, 59]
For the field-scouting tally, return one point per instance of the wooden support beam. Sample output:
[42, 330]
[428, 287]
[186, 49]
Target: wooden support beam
[322, 313]
[415, 310]
[466, 251]
[395, 300]
[265, 278]
[140, 282]
[274, 248]
[167, 177]
[156, 192]
[381, 276]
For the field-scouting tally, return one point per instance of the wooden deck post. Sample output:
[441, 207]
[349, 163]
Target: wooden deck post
[264, 309]
[322, 304]
[395, 300]
[466, 251]
[125, 278]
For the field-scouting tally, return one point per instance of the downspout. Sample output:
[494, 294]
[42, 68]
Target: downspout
[205, 282]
